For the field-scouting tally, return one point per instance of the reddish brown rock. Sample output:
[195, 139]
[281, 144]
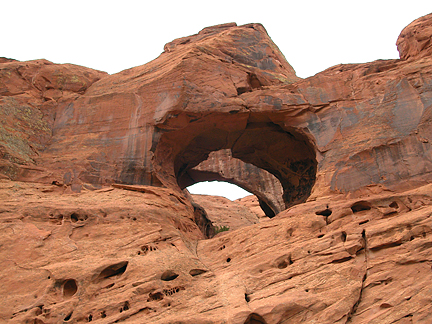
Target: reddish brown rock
[252, 203]
[226, 214]
[350, 147]
[30, 94]
[222, 166]
[154, 124]
[415, 40]
[134, 256]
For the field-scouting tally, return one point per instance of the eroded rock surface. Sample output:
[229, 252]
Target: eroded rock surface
[117, 255]
[223, 212]
[97, 228]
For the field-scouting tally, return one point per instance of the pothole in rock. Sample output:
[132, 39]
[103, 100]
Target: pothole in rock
[69, 288]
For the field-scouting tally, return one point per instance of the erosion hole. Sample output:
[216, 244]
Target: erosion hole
[38, 310]
[148, 248]
[69, 288]
[255, 319]
[125, 307]
[172, 291]
[68, 317]
[285, 263]
[169, 275]
[394, 204]
[360, 206]
[156, 296]
[78, 217]
[343, 236]
[197, 272]
[113, 270]
[326, 212]
[109, 286]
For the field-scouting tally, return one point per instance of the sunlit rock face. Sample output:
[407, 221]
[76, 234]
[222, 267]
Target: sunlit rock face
[228, 87]
[98, 227]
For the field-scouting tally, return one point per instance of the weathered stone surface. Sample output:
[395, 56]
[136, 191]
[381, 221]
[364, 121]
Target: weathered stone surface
[252, 202]
[30, 94]
[97, 227]
[223, 212]
[135, 257]
[415, 40]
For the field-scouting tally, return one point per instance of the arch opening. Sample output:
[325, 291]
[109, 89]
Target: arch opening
[229, 190]
[218, 188]
[277, 165]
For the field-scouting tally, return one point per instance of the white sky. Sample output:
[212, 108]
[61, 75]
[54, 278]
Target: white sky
[217, 188]
[115, 35]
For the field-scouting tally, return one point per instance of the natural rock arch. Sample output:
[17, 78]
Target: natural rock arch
[286, 153]
[222, 166]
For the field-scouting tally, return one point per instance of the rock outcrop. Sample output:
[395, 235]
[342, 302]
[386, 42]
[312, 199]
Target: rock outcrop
[98, 227]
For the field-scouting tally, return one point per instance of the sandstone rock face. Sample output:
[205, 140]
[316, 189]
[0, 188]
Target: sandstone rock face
[252, 202]
[415, 40]
[30, 94]
[97, 226]
[223, 212]
[117, 255]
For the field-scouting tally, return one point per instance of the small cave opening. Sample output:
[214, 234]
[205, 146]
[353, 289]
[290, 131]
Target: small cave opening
[112, 271]
[169, 275]
[68, 317]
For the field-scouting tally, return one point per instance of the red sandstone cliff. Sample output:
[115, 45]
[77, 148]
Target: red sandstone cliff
[341, 161]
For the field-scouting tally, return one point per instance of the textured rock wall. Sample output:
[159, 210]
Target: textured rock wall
[30, 94]
[124, 256]
[139, 126]
[99, 230]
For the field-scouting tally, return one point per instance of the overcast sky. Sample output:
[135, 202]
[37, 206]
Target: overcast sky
[115, 35]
